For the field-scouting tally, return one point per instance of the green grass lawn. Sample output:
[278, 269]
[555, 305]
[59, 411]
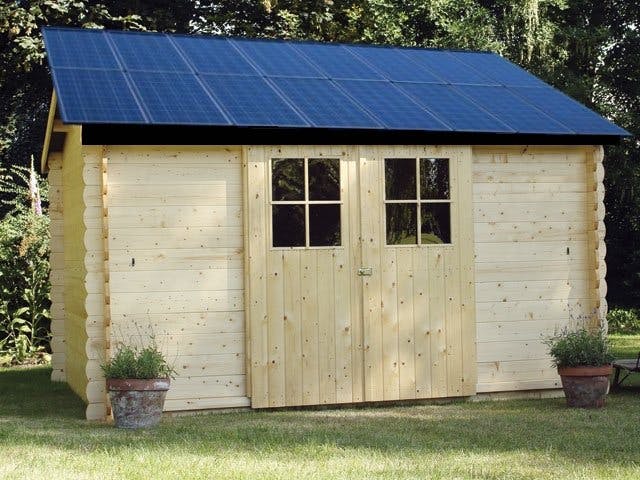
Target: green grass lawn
[43, 435]
[625, 346]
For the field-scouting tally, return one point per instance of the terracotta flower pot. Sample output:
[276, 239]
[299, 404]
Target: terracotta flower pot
[137, 403]
[585, 387]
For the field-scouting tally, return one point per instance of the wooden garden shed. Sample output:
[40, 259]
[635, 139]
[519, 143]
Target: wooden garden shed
[302, 223]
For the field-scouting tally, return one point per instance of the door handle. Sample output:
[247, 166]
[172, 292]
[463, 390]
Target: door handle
[365, 271]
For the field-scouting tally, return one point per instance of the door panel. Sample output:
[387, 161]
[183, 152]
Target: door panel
[320, 333]
[311, 305]
[419, 332]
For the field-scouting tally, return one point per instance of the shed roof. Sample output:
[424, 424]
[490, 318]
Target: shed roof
[151, 78]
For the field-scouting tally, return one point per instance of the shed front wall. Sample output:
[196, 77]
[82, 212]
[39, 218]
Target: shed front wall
[539, 256]
[175, 245]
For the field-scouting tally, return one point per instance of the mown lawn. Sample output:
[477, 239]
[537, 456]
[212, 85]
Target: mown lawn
[43, 435]
[625, 346]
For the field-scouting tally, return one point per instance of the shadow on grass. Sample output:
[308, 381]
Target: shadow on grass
[35, 412]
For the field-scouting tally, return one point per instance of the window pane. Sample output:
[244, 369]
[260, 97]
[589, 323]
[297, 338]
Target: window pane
[288, 226]
[436, 223]
[434, 178]
[324, 225]
[287, 177]
[324, 179]
[402, 224]
[400, 178]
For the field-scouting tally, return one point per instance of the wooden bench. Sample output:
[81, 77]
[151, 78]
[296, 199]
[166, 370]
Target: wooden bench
[629, 365]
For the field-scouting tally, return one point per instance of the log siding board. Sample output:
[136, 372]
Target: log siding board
[175, 234]
[57, 275]
[536, 250]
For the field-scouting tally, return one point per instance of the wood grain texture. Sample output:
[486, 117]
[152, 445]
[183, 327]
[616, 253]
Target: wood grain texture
[536, 262]
[175, 259]
[56, 262]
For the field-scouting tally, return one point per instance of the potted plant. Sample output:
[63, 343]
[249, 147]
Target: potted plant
[137, 381]
[583, 360]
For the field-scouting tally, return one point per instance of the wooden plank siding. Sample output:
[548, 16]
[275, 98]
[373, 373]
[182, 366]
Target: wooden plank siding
[72, 256]
[176, 265]
[536, 248]
[184, 250]
[56, 226]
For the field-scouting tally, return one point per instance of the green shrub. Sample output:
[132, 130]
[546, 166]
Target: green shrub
[624, 321]
[581, 347]
[137, 362]
[24, 269]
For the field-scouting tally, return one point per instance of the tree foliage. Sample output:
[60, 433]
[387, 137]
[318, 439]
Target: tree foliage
[24, 268]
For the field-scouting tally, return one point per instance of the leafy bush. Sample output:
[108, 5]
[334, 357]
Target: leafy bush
[137, 362]
[24, 268]
[581, 347]
[624, 321]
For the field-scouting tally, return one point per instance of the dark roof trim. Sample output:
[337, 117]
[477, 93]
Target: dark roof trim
[116, 134]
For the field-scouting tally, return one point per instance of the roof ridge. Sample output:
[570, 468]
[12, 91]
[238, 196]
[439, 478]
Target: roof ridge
[275, 40]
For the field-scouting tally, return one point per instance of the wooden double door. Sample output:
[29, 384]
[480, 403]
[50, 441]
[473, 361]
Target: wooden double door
[359, 283]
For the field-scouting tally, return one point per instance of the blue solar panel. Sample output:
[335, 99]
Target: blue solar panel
[566, 110]
[176, 98]
[79, 49]
[390, 106]
[393, 65]
[324, 104]
[447, 67]
[498, 69]
[252, 101]
[214, 55]
[337, 62]
[455, 109]
[95, 96]
[134, 77]
[148, 52]
[512, 110]
[277, 59]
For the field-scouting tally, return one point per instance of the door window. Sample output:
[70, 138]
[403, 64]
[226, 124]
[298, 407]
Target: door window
[417, 201]
[305, 202]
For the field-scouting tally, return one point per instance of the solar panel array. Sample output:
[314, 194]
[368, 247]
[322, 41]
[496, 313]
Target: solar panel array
[150, 78]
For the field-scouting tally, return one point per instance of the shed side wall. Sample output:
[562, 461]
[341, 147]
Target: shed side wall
[75, 271]
[56, 262]
[176, 265]
[533, 219]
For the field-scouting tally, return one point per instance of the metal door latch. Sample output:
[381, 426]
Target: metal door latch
[365, 271]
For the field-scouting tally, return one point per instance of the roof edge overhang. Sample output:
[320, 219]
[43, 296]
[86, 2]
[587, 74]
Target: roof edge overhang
[128, 134]
[49, 131]
[54, 126]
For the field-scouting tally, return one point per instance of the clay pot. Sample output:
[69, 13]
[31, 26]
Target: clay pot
[137, 403]
[585, 387]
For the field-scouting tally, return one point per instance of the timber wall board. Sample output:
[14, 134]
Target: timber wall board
[56, 262]
[533, 216]
[176, 265]
[74, 267]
